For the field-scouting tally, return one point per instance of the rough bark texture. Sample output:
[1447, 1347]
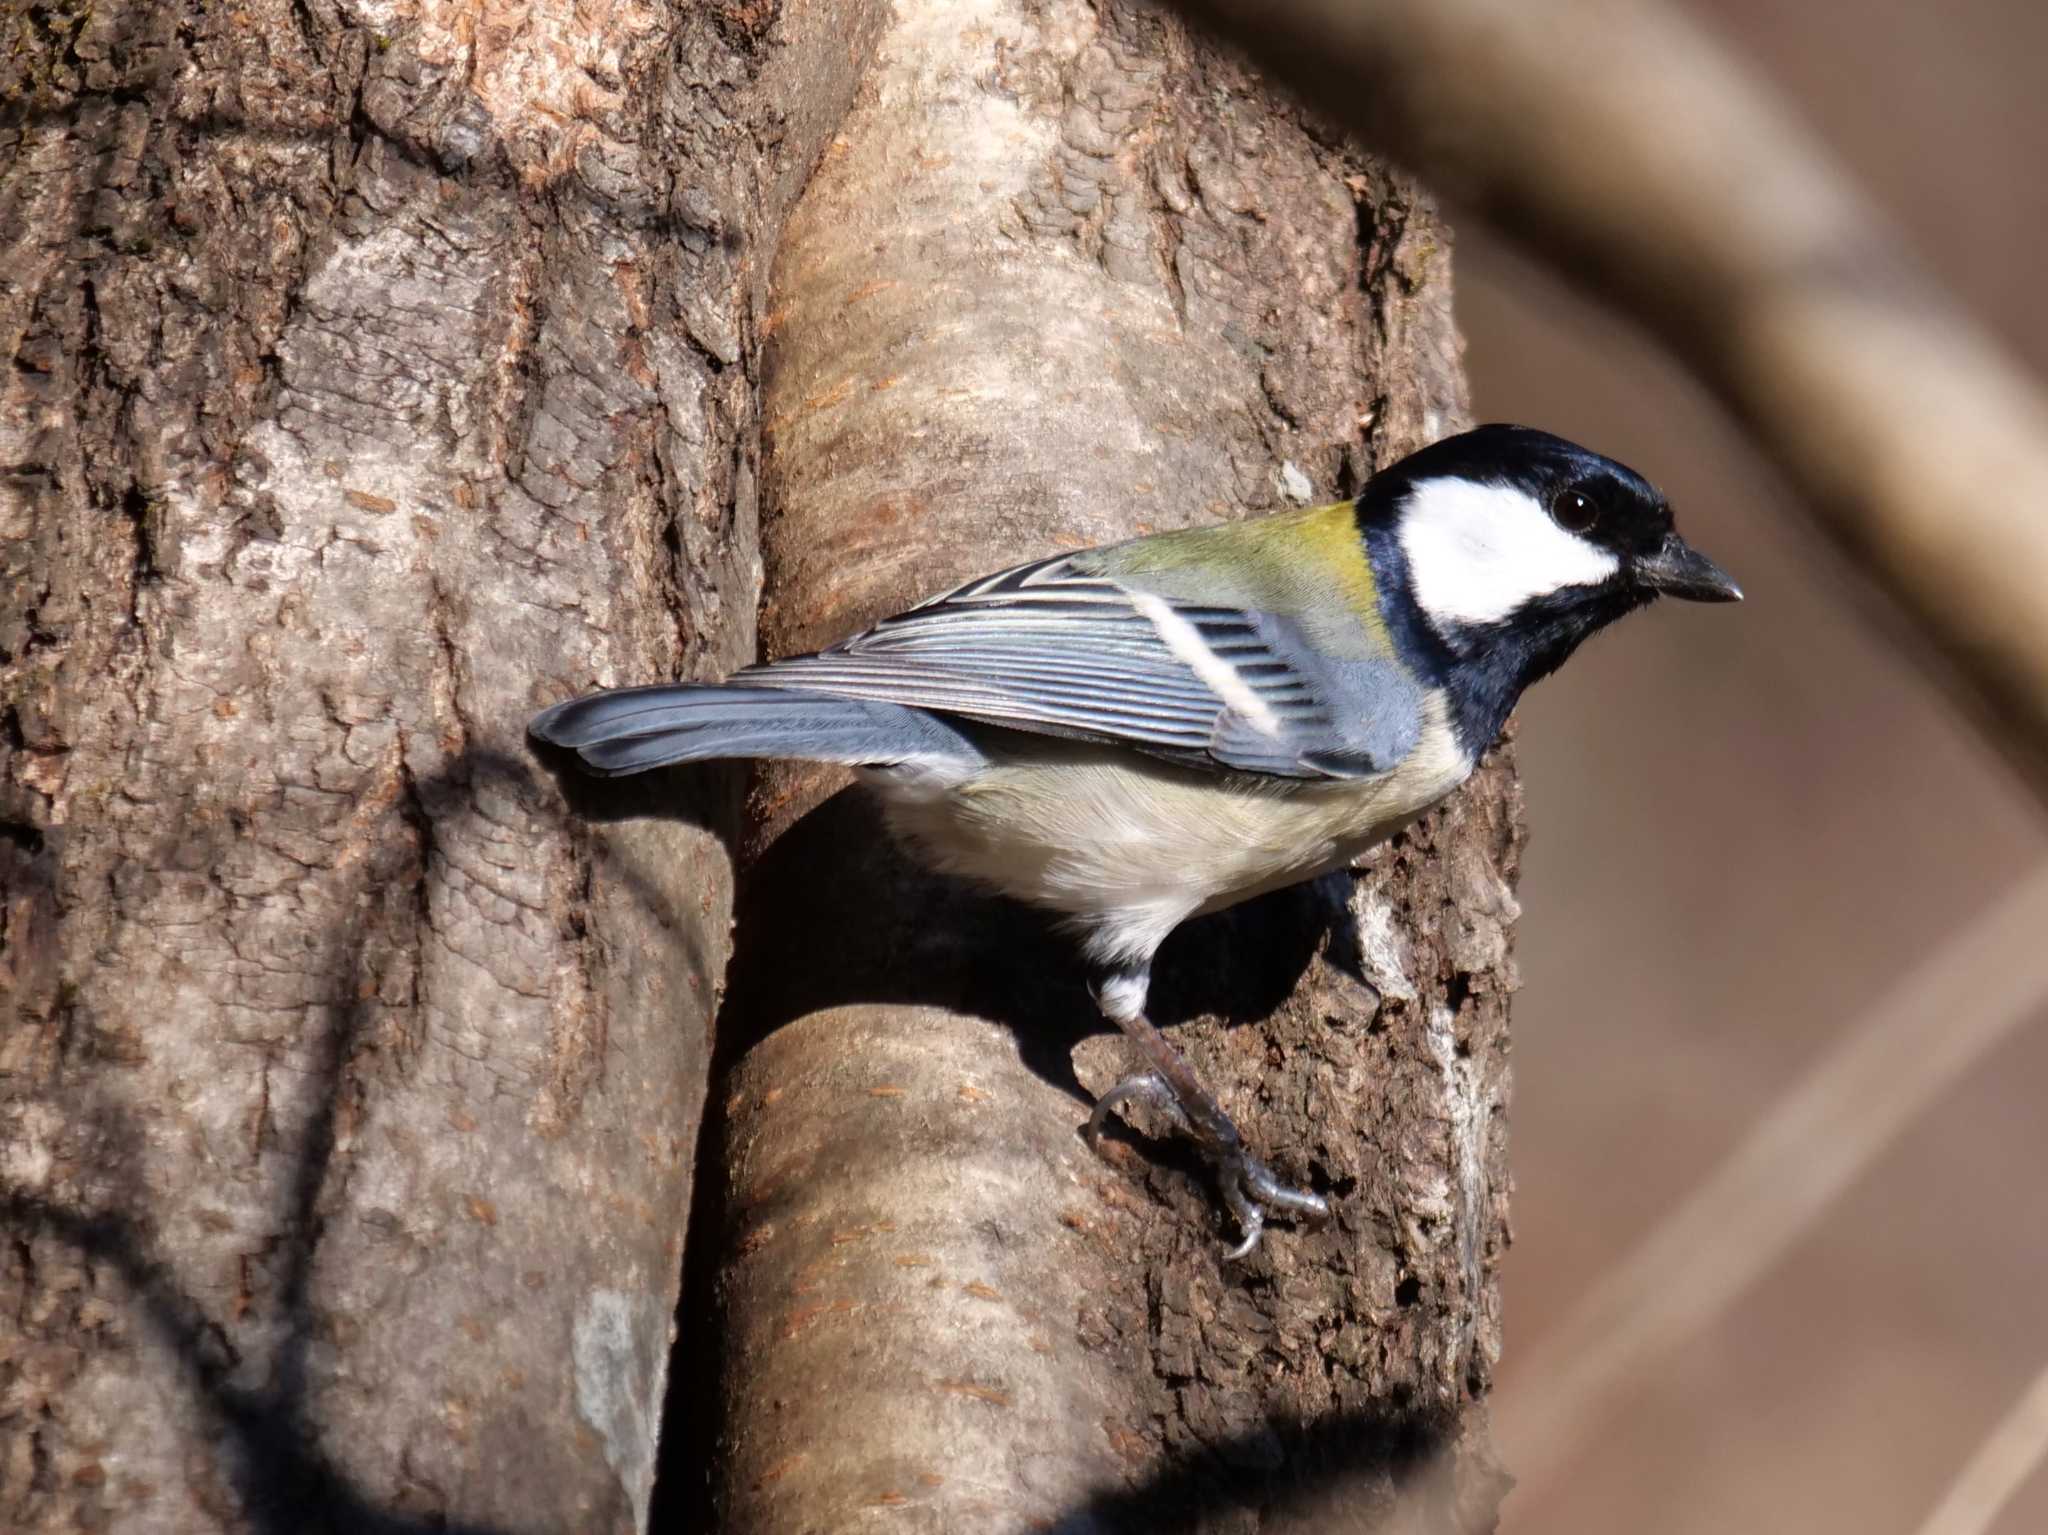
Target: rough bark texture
[379, 371]
[1065, 277]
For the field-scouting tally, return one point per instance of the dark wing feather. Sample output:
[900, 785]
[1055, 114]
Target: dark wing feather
[1054, 650]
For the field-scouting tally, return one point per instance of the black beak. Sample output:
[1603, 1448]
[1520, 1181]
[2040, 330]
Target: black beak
[1679, 570]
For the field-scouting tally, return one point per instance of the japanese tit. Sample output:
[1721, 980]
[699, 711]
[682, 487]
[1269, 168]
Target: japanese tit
[1142, 733]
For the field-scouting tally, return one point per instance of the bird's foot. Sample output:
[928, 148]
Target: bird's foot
[1250, 1189]
[1248, 1186]
[1146, 1087]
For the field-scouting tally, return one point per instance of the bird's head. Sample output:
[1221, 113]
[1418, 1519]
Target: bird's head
[1504, 547]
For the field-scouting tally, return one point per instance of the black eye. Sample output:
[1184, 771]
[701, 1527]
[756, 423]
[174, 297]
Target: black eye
[1574, 511]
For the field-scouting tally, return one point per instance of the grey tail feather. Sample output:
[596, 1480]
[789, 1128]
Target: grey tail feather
[629, 730]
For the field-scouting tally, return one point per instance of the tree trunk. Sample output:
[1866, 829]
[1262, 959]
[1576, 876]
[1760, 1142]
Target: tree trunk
[1068, 276]
[384, 370]
[380, 371]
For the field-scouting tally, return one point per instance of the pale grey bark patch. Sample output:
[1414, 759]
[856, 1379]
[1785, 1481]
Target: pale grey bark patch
[1294, 485]
[620, 1353]
[1382, 957]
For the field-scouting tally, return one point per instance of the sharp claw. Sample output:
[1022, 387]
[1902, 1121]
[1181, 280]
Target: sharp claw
[1251, 1240]
[1251, 1220]
[1249, 1187]
[1092, 1131]
[1247, 1184]
[1268, 1190]
[1147, 1085]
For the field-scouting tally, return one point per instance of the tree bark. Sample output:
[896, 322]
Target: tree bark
[380, 371]
[1067, 276]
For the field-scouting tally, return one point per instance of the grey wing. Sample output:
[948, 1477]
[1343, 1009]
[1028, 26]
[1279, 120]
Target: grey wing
[1053, 650]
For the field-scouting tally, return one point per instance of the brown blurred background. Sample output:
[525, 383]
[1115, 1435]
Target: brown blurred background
[1748, 824]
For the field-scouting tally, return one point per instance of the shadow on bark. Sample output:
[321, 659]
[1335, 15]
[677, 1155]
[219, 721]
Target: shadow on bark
[1346, 1473]
[835, 913]
[281, 1476]
[696, 794]
[284, 1481]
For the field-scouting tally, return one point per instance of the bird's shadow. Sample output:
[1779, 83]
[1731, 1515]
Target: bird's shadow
[703, 795]
[1354, 1470]
[835, 912]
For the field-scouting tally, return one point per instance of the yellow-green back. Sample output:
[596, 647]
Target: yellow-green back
[1308, 565]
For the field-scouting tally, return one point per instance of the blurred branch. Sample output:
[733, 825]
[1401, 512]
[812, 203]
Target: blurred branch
[1621, 144]
[1937, 1022]
[2002, 1465]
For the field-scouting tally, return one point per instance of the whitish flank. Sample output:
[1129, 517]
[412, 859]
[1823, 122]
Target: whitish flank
[1476, 552]
[1192, 651]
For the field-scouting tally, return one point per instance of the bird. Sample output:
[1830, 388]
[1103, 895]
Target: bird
[1138, 734]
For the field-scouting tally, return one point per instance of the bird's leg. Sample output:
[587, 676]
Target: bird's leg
[1248, 1185]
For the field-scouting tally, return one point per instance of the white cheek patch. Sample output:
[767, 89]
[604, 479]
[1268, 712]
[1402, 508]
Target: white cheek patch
[1476, 552]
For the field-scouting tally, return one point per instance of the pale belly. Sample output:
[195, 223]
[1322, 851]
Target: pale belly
[1133, 850]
